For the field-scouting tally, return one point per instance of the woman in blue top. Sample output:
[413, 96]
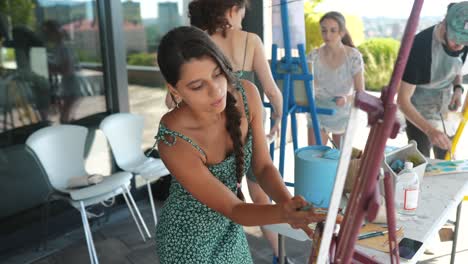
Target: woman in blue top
[207, 142]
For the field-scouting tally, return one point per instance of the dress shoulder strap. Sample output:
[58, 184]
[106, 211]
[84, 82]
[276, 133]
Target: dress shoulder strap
[241, 89]
[165, 133]
[245, 49]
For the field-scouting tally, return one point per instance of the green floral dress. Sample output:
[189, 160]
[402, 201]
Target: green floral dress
[189, 231]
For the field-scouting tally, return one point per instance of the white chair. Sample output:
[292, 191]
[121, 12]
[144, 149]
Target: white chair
[124, 132]
[60, 149]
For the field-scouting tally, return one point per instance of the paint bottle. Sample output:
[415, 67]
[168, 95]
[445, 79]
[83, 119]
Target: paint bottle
[407, 190]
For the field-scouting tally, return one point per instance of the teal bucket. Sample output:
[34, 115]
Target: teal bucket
[314, 175]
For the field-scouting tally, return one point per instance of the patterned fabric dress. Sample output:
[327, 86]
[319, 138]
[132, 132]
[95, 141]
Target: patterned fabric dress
[190, 232]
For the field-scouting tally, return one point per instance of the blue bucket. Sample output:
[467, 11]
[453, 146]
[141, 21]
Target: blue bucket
[314, 175]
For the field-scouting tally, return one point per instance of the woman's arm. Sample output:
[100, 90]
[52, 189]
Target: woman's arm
[455, 102]
[358, 80]
[186, 164]
[267, 175]
[272, 92]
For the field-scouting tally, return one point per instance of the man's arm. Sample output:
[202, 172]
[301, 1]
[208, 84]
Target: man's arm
[437, 137]
[455, 102]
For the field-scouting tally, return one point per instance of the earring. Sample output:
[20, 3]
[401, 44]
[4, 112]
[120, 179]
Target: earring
[174, 99]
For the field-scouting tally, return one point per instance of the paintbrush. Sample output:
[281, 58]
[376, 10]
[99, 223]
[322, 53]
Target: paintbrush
[445, 132]
[372, 234]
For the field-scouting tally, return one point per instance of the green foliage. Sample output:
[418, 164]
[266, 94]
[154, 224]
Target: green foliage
[309, 6]
[379, 55]
[142, 59]
[21, 12]
[87, 56]
[9, 54]
[354, 25]
[313, 35]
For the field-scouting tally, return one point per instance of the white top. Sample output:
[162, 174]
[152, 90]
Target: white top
[332, 82]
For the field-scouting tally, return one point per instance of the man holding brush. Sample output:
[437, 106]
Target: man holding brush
[432, 81]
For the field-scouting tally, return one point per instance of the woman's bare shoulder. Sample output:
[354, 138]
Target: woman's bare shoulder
[352, 51]
[251, 91]
[171, 119]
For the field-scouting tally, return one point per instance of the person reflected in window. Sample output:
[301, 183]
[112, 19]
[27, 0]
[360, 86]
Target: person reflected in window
[62, 69]
[27, 90]
[338, 71]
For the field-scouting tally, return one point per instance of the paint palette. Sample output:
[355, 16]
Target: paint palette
[436, 167]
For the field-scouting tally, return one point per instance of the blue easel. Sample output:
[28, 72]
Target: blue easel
[288, 70]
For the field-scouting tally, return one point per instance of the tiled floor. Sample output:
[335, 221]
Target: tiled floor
[118, 241]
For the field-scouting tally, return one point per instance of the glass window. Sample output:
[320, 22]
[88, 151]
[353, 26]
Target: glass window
[50, 65]
[145, 22]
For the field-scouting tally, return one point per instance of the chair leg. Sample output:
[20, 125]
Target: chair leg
[96, 261]
[137, 211]
[150, 194]
[45, 210]
[88, 235]
[129, 205]
[84, 221]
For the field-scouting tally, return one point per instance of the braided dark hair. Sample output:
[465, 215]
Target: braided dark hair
[182, 44]
[233, 122]
[209, 15]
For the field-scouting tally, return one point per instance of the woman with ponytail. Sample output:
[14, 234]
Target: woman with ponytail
[338, 71]
[207, 142]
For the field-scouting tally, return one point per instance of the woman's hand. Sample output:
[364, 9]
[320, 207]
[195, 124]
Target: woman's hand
[340, 100]
[298, 218]
[276, 117]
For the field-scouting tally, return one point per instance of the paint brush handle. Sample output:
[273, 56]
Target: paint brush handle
[372, 234]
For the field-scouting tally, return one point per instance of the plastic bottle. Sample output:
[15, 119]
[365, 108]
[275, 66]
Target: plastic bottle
[407, 190]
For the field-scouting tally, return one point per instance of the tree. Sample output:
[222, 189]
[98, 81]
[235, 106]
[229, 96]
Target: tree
[21, 12]
[379, 55]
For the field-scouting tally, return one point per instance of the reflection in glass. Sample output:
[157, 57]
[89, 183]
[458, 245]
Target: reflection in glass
[145, 23]
[50, 65]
